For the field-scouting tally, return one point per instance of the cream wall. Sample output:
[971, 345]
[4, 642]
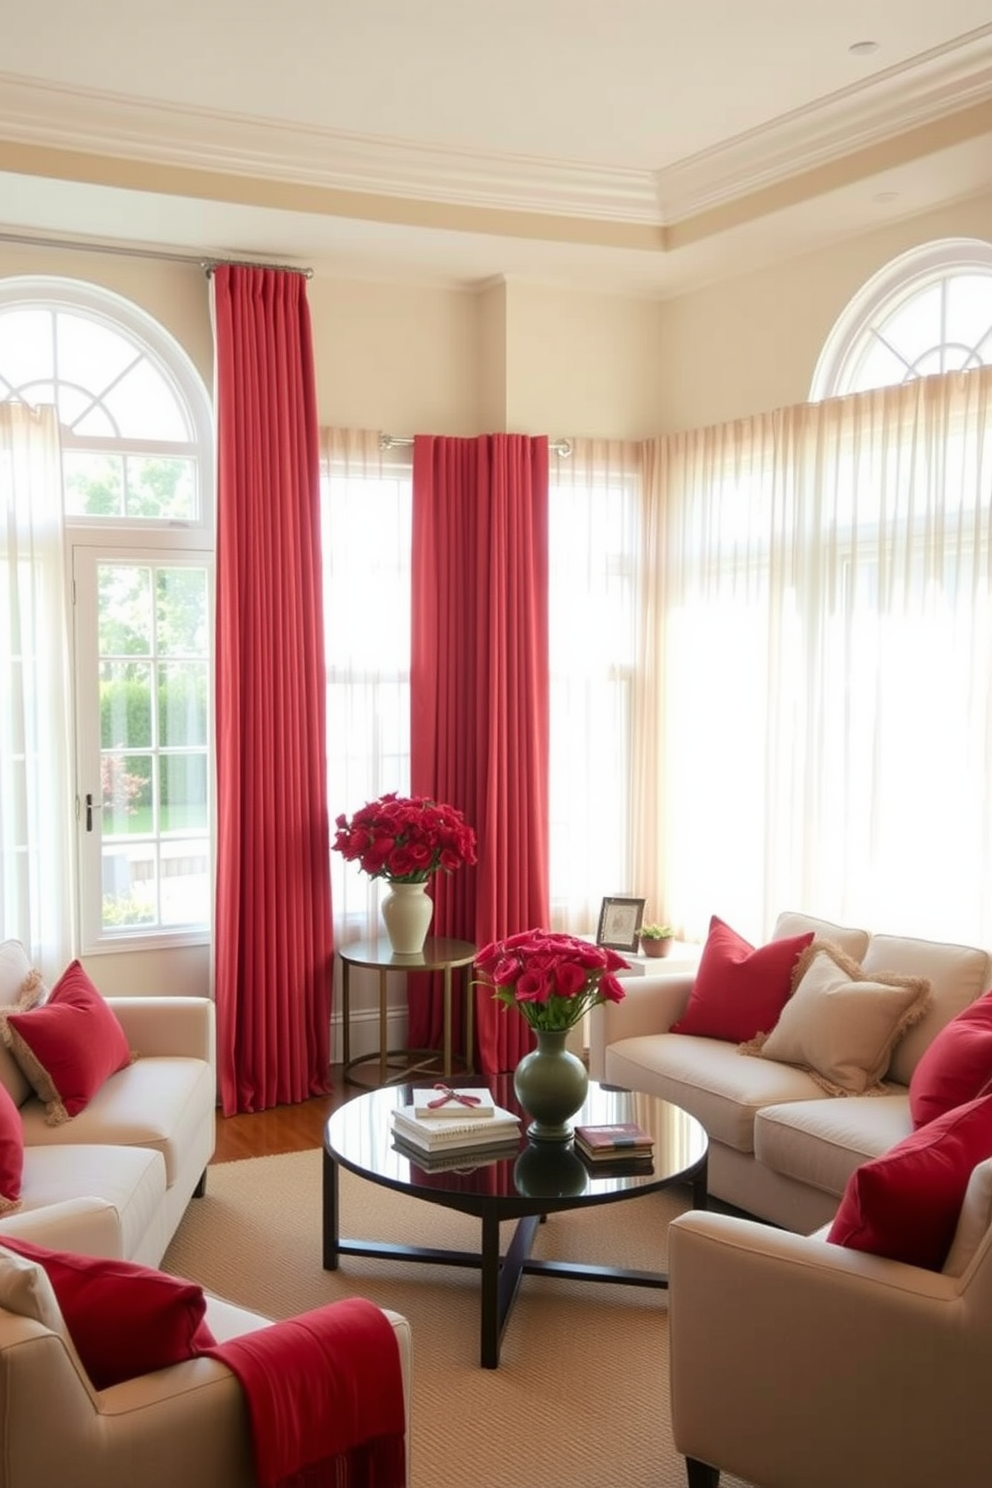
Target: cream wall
[751, 344]
[408, 358]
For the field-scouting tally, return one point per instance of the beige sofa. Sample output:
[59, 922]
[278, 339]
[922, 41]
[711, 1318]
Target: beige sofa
[115, 1180]
[779, 1148]
[184, 1425]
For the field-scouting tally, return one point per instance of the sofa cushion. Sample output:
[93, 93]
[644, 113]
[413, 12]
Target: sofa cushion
[853, 943]
[128, 1180]
[957, 975]
[11, 1153]
[906, 1204]
[69, 1045]
[820, 1143]
[21, 988]
[841, 1025]
[957, 1066]
[739, 991]
[159, 1102]
[709, 1079]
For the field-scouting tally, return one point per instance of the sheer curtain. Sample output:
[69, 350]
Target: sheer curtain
[366, 505]
[823, 637]
[595, 579]
[36, 840]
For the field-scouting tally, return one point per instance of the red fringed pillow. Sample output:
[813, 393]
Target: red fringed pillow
[957, 1065]
[11, 1153]
[125, 1320]
[739, 991]
[69, 1046]
[906, 1203]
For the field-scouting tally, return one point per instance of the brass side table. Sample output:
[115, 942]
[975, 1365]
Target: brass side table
[439, 954]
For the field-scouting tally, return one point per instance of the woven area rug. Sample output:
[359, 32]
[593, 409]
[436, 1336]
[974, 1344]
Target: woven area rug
[580, 1399]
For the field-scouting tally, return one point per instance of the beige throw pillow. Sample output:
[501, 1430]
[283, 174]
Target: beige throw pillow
[21, 988]
[840, 1025]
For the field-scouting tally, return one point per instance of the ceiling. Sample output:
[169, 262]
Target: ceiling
[635, 146]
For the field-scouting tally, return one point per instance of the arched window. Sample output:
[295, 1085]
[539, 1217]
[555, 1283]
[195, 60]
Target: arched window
[136, 439]
[928, 311]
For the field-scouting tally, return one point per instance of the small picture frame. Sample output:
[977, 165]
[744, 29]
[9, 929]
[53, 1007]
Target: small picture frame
[619, 923]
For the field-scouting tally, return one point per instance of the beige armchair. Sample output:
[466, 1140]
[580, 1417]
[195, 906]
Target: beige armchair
[799, 1364]
[186, 1425]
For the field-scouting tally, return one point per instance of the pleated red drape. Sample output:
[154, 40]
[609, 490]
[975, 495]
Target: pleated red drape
[273, 943]
[479, 700]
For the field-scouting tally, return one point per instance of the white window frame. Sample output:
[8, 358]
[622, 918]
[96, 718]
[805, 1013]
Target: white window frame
[90, 539]
[884, 293]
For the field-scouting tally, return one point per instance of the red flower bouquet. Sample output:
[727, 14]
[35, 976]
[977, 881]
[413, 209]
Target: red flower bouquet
[552, 979]
[405, 839]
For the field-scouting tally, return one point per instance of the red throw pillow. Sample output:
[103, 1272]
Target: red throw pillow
[957, 1065]
[739, 992]
[906, 1203]
[69, 1045]
[125, 1320]
[11, 1152]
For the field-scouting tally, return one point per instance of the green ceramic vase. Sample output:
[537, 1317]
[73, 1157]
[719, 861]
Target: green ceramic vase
[551, 1084]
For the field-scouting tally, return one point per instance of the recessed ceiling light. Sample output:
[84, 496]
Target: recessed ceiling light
[863, 48]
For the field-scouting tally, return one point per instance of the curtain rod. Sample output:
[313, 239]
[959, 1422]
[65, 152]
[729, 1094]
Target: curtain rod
[160, 255]
[562, 447]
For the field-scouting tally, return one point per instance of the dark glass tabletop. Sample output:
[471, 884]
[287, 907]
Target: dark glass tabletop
[359, 1135]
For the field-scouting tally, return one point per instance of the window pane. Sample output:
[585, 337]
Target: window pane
[125, 615]
[185, 881]
[94, 484]
[125, 705]
[181, 611]
[184, 792]
[128, 886]
[182, 704]
[91, 355]
[127, 783]
[26, 339]
[162, 488]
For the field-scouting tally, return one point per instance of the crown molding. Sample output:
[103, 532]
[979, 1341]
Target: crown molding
[942, 83]
[945, 82]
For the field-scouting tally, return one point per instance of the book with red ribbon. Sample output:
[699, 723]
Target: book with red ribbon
[447, 1101]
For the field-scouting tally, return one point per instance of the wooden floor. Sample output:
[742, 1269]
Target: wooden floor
[284, 1128]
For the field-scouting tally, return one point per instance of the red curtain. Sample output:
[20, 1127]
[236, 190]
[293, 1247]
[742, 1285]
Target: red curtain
[273, 944]
[479, 700]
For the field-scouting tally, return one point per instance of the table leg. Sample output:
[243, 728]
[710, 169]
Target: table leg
[700, 1195]
[469, 1020]
[383, 1038]
[447, 1022]
[489, 1319]
[329, 1188]
[345, 1013]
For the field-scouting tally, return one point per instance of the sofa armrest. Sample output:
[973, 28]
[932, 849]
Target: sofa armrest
[788, 1354]
[651, 1004]
[87, 1226]
[182, 1026]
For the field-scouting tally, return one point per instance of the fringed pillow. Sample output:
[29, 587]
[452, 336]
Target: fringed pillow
[69, 1046]
[21, 988]
[840, 1025]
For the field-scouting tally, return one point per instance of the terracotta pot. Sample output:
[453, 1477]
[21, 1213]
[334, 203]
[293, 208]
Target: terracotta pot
[657, 947]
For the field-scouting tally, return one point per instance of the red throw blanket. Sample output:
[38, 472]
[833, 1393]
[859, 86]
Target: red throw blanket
[325, 1394]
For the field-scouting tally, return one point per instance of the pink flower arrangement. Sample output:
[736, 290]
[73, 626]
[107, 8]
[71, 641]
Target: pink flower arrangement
[405, 838]
[552, 979]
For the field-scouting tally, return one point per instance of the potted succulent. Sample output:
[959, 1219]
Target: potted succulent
[656, 940]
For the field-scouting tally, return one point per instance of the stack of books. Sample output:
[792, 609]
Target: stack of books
[442, 1121]
[615, 1142]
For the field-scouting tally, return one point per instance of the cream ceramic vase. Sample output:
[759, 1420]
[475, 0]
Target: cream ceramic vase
[407, 911]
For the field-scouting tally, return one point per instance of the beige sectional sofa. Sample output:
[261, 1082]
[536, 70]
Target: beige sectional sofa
[115, 1180]
[779, 1147]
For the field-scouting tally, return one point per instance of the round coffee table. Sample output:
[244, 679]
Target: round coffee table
[532, 1180]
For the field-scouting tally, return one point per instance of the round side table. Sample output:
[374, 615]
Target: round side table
[439, 954]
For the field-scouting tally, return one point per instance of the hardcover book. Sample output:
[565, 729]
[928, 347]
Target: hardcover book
[453, 1103]
[439, 1134]
[614, 1139]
